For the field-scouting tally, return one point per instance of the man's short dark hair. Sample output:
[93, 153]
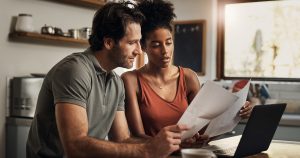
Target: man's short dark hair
[111, 21]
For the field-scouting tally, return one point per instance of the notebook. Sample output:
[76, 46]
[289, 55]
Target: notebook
[257, 135]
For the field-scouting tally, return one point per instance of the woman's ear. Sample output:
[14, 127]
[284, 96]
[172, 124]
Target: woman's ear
[108, 43]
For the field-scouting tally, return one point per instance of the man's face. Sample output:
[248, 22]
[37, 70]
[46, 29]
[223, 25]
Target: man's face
[124, 52]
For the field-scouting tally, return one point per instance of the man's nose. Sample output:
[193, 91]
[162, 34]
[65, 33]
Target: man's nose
[138, 49]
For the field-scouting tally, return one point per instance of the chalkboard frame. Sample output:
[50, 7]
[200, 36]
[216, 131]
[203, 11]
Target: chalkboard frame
[200, 70]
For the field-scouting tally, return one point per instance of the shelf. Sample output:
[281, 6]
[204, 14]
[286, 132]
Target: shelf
[33, 37]
[87, 3]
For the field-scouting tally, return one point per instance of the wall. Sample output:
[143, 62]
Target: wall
[202, 10]
[18, 59]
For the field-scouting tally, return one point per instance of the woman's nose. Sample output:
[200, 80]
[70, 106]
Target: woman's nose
[164, 50]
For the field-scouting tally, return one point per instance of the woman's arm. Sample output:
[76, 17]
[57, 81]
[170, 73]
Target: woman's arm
[192, 83]
[132, 109]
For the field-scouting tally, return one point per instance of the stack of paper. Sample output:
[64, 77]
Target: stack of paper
[214, 105]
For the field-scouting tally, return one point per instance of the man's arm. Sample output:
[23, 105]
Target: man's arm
[119, 131]
[72, 125]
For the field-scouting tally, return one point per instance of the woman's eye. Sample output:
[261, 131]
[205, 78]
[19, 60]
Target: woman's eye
[169, 43]
[155, 44]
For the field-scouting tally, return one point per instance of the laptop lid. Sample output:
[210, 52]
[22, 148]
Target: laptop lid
[260, 129]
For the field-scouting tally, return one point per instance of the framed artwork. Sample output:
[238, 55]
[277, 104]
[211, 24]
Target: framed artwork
[258, 39]
[189, 44]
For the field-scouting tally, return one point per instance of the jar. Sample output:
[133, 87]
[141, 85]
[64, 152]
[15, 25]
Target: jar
[74, 33]
[85, 33]
[24, 23]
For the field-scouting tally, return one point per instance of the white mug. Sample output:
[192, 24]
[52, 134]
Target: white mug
[197, 153]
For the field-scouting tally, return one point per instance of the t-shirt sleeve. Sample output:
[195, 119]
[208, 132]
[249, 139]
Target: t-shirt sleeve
[121, 106]
[71, 83]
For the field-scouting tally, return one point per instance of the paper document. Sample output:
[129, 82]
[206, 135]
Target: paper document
[211, 101]
[228, 119]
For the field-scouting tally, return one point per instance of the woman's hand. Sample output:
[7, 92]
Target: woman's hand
[196, 141]
[246, 110]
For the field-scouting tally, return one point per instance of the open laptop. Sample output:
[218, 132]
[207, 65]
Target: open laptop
[257, 135]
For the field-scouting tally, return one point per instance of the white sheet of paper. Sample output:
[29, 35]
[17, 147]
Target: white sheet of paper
[210, 101]
[193, 122]
[229, 119]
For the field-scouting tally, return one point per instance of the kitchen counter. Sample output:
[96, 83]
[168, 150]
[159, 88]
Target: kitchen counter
[17, 129]
[18, 121]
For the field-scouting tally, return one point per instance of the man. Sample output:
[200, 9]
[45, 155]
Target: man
[82, 99]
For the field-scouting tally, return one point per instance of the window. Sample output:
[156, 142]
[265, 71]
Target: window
[259, 40]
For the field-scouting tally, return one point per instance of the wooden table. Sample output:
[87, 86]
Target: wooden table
[277, 149]
[281, 149]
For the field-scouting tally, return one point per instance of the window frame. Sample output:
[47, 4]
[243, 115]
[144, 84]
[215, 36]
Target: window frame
[221, 44]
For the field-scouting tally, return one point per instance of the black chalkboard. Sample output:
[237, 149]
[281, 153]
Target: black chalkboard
[189, 45]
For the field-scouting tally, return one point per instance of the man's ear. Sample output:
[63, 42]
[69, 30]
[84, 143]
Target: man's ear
[108, 43]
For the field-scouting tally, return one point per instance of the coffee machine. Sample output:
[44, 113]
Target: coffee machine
[24, 94]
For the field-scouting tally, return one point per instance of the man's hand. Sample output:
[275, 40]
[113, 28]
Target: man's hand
[246, 110]
[165, 142]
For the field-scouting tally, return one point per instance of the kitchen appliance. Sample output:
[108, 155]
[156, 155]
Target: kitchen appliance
[24, 94]
[47, 30]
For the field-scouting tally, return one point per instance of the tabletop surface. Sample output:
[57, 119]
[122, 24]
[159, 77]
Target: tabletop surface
[277, 149]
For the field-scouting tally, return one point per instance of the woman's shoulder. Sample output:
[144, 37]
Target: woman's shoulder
[189, 74]
[130, 79]
[192, 82]
[129, 75]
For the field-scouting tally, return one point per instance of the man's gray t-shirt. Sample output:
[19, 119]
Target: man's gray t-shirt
[77, 79]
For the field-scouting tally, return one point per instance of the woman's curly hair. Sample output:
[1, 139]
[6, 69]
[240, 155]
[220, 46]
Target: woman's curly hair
[158, 14]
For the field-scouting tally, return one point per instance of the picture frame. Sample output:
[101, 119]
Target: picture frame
[190, 45]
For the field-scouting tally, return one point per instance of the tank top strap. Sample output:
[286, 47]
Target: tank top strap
[182, 83]
[141, 83]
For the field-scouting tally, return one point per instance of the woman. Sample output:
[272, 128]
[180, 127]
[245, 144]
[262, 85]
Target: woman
[158, 93]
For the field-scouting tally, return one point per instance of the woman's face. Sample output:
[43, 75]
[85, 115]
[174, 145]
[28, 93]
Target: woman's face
[159, 47]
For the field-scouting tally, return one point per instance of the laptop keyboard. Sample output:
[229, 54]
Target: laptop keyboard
[227, 151]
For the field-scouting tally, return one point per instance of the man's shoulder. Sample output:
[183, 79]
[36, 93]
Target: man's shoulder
[74, 61]
[73, 65]
[76, 58]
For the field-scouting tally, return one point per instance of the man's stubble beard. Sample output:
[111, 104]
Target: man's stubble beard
[118, 58]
